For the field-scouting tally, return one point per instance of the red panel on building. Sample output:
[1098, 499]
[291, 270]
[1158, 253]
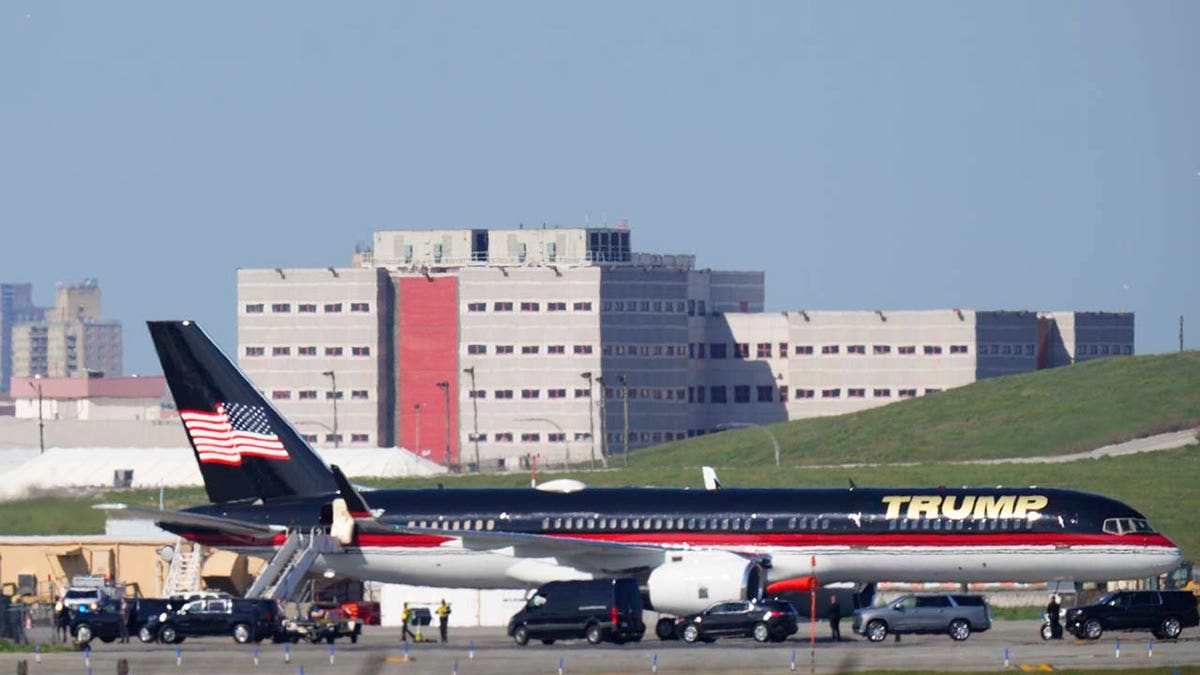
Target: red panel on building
[427, 336]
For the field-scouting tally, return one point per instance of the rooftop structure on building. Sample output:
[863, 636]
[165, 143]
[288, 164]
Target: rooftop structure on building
[496, 346]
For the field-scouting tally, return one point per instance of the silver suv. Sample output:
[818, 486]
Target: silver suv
[953, 614]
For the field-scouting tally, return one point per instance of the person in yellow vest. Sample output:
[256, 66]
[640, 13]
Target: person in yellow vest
[443, 612]
[405, 615]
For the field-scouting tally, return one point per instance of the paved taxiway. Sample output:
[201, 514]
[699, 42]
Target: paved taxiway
[380, 651]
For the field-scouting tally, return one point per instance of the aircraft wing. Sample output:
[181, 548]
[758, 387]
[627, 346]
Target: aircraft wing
[192, 521]
[577, 552]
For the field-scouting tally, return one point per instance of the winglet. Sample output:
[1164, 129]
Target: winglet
[354, 500]
[711, 482]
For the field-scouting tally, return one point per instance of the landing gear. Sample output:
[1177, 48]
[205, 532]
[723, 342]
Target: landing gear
[665, 629]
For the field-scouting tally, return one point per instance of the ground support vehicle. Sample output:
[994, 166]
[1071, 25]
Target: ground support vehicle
[324, 624]
[956, 615]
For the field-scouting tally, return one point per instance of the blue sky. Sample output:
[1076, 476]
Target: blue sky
[866, 155]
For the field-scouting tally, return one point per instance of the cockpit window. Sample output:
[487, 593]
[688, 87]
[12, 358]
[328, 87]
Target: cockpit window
[1127, 526]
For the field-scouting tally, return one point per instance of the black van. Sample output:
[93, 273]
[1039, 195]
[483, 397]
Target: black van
[600, 609]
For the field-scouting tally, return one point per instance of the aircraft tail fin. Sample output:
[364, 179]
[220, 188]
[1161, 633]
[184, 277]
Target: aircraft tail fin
[246, 450]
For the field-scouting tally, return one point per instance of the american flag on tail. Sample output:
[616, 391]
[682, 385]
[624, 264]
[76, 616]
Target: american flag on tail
[234, 431]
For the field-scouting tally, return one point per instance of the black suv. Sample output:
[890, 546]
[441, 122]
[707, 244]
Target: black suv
[764, 620]
[600, 609]
[102, 620]
[244, 620]
[1166, 613]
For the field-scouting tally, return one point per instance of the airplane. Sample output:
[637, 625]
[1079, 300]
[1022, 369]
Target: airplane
[688, 548]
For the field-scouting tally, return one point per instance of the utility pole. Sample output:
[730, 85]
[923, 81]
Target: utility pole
[1181, 332]
[445, 387]
[591, 417]
[334, 394]
[417, 433]
[625, 414]
[603, 423]
[470, 370]
[41, 421]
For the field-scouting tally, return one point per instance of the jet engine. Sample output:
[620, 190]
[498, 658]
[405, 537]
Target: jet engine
[690, 581]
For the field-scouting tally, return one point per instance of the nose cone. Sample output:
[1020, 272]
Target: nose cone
[1167, 554]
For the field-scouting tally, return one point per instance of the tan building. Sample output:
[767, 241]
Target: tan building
[72, 340]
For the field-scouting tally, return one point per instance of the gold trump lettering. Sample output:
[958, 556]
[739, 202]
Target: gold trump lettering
[960, 507]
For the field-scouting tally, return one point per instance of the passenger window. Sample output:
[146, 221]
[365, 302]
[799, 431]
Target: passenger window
[658, 523]
[579, 523]
[557, 524]
[624, 523]
[491, 524]
[412, 523]
[636, 523]
[668, 524]
[770, 523]
[724, 523]
[825, 524]
[545, 524]
[737, 523]
[691, 523]
[791, 523]
[702, 523]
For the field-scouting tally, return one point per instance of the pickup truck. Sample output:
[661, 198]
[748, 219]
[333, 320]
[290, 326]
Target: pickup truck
[244, 620]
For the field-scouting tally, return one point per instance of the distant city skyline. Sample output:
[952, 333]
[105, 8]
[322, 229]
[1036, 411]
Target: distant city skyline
[868, 156]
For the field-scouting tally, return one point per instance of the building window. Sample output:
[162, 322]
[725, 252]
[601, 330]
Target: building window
[333, 351]
[256, 308]
[931, 350]
[583, 349]
[804, 393]
[583, 393]
[358, 394]
[556, 306]
[504, 349]
[644, 305]
[906, 393]
[504, 394]
[856, 393]
[331, 395]
[530, 393]
[281, 351]
[741, 350]
[906, 349]
[307, 308]
[831, 393]
[556, 349]
[856, 349]
[882, 393]
[529, 349]
[311, 438]
[308, 395]
[958, 349]
[931, 390]
[281, 308]
[556, 393]
[333, 308]
[360, 351]
[307, 350]
[763, 350]
[717, 350]
[359, 438]
[360, 307]
[333, 438]
[502, 307]
[783, 350]
[504, 437]
[783, 394]
[804, 350]
[766, 394]
[717, 394]
[530, 307]
[477, 307]
[556, 437]
[583, 307]
[477, 349]
[741, 393]
[830, 349]
[255, 351]
[581, 436]
[477, 393]
[281, 395]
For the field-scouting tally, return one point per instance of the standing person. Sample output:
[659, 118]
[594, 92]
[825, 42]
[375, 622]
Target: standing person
[835, 619]
[1052, 611]
[64, 621]
[123, 608]
[405, 615]
[443, 612]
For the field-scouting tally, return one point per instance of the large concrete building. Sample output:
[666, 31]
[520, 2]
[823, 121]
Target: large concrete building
[16, 307]
[72, 339]
[502, 345]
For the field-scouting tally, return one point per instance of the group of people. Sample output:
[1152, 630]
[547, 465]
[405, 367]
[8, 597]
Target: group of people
[443, 614]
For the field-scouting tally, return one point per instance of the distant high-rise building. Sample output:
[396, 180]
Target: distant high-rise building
[69, 340]
[16, 306]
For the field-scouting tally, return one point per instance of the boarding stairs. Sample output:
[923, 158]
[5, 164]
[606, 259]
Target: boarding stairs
[183, 577]
[287, 570]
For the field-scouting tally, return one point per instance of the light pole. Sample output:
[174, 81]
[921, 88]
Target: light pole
[744, 425]
[333, 378]
[566, 443]
[625, 412]
[445, 387]
[603, 422]
[591, 417]
[41, 422]
[470, 370]
[417, 434]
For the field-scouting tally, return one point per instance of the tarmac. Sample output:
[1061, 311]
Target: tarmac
[1009, 645]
